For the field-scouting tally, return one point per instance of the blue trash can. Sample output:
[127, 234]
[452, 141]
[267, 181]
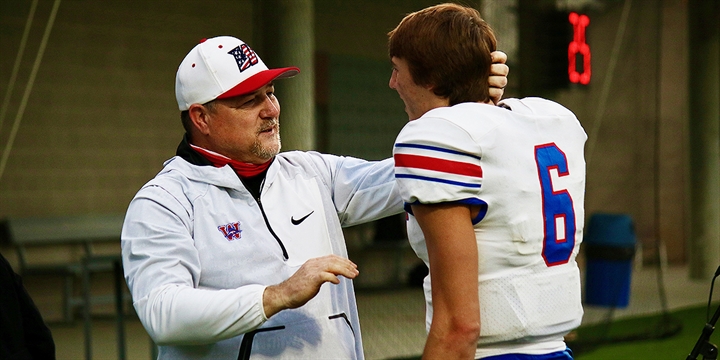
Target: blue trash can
[609, 246]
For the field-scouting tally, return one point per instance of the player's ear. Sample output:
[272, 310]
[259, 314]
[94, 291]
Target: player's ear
[200, 117]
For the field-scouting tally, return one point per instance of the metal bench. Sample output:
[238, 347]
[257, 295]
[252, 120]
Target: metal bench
[82, 231]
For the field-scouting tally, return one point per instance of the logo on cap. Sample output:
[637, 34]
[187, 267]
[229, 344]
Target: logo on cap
[245, 57]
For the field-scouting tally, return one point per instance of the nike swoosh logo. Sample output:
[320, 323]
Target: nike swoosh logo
[298, 221]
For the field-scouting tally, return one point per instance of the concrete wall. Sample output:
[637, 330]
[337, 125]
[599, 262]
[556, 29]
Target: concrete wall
[101, 117]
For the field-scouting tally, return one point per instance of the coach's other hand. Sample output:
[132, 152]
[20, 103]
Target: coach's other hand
[305, 283]
[498, 75]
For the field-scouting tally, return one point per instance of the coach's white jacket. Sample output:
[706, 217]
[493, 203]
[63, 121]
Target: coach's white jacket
[198, 251]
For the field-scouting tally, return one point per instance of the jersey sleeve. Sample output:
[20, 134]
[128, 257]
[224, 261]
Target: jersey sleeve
[437, 161]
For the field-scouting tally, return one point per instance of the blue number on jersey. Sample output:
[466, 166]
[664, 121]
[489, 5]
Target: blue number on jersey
[558, 210]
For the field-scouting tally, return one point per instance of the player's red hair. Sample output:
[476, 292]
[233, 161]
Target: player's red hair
[448, 47]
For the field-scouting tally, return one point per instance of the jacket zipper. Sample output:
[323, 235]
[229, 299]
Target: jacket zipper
[267, 223]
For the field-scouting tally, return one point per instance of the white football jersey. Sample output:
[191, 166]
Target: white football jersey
[523, 163]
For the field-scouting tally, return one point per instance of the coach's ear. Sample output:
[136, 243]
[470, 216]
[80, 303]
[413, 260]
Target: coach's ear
[200, 117]
[498, 75]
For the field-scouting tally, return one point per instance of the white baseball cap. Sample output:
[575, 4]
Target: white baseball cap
[222, 67]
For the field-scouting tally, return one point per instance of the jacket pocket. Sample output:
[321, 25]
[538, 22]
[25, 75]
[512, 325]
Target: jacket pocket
[331, 337]
[344, 317]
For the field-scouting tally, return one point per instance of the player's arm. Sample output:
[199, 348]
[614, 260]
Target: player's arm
[452, 250]
[498, 75]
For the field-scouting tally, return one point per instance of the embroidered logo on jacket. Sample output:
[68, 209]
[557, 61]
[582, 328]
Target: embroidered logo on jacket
[230, 231]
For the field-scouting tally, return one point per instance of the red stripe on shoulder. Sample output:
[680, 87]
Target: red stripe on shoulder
[435, 164]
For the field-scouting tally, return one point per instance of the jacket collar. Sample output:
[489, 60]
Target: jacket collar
[204, 171]
[185, 151]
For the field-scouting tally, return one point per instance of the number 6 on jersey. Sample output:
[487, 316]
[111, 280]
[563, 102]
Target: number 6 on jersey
[557, 206]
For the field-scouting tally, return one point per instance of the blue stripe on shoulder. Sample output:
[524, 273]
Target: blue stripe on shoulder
[435, 148]
[469, 201]
[444, 181]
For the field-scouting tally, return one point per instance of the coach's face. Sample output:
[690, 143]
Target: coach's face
[418, 99]
[244, 128]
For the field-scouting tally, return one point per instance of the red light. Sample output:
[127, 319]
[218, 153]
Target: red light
[579, 46]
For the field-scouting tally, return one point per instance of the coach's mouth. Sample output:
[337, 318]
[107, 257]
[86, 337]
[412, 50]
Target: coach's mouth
[273, 128]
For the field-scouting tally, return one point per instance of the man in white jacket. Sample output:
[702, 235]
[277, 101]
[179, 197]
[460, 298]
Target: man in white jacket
[227, 249]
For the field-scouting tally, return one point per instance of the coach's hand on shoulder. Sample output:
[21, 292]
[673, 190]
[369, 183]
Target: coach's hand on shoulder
[305, 283]
[498, 75]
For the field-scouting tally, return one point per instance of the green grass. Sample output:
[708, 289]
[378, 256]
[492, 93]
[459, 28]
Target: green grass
[654, 337]
[651, 337]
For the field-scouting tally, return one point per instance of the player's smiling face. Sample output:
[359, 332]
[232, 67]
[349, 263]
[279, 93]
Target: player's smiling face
[246, 127]
[418, 99]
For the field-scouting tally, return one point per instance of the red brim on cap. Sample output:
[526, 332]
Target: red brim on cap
[259, 80]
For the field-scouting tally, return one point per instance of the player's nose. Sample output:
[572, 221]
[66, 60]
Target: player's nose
[393, 81]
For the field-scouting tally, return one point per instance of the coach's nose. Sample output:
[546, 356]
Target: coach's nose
[271, 107]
